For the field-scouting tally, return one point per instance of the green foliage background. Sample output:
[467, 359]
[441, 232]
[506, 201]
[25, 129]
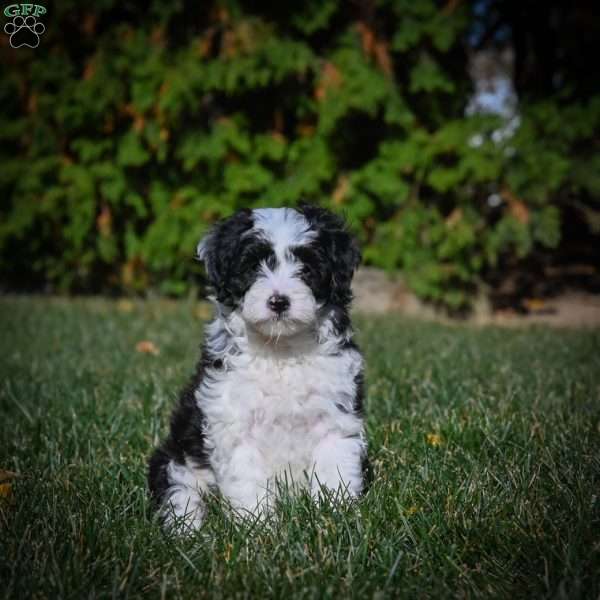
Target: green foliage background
[130, 129]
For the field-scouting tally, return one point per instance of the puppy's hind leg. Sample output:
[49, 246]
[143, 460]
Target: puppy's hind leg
[178, 489]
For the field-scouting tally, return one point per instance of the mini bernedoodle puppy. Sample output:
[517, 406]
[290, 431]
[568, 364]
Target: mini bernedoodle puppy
[277, 395]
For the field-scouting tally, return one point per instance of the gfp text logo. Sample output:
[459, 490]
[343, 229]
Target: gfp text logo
[24, 29]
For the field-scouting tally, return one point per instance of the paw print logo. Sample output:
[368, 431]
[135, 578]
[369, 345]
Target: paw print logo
[24, 31]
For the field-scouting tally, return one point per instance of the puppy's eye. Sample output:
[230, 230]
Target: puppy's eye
[308, 256]
[254, 256]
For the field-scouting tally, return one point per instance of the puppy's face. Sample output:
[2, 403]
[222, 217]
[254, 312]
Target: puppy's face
[279, 267]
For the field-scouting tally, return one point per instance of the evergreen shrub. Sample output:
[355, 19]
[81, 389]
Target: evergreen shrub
[131, 128]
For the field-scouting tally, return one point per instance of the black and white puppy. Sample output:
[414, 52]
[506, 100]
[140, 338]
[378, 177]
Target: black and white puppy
[278, 391]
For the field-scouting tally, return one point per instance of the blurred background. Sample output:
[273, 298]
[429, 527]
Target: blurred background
[460, 139]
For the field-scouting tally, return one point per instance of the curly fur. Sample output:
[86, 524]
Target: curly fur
[276, 395]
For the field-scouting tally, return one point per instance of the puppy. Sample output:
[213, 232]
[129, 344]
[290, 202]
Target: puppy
[278, 391]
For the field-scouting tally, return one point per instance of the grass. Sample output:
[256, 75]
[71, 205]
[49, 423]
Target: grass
[485, 445]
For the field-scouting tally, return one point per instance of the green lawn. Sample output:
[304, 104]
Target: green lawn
[485, 445]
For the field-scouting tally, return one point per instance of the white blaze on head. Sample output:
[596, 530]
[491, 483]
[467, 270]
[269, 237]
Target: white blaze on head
[283, 228]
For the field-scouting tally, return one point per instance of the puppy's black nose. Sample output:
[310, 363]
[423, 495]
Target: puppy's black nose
[278, 304]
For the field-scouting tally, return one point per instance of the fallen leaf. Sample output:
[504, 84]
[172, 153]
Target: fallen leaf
[7, 475]
[147, 347]
[227, 552]
[125, 306]
[534, 304]
[434, 439]
[6, 491]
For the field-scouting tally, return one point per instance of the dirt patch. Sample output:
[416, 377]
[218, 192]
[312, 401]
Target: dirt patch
[377, 292]
[569, 309]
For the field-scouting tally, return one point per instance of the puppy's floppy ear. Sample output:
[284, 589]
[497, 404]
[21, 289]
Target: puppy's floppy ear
[340, 246]
[219, 247]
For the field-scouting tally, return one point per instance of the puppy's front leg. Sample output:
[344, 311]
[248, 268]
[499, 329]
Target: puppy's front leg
[338, 464]
[245, 480]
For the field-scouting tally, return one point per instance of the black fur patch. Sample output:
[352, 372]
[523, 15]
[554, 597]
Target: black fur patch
[232, 256]
[221, 251]
[256, 251]
[328, 265]
[330, 261]
[186, 439]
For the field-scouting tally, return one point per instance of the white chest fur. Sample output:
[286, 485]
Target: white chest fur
[271, 414]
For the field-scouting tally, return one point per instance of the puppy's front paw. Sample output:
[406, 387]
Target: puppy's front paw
[183, 516]
[250, 500]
